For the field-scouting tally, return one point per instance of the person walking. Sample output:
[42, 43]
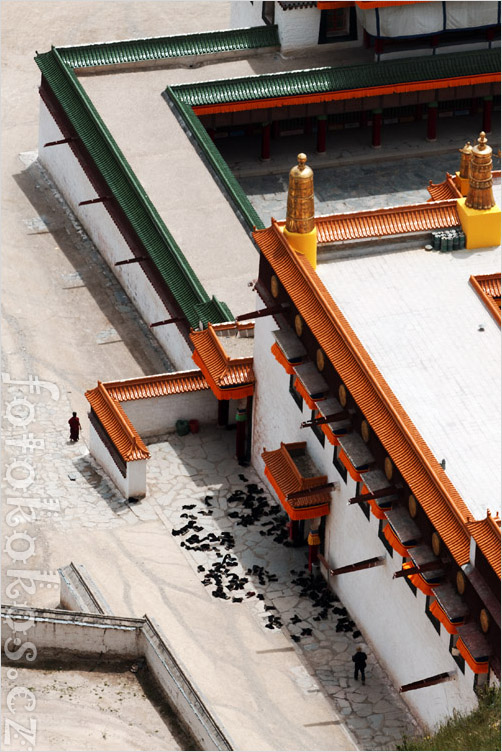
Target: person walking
[75, 426]
[359, 659]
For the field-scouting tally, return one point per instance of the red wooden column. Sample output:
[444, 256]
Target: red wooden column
[432, 119]
[322, 127]
[376, 140]
[314, 542]
[265, 141]
[487, 114]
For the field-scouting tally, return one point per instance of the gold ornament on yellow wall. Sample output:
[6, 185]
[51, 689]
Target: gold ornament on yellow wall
[298, 325]
[274, 286]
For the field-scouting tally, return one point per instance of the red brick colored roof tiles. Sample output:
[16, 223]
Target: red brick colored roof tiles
[161, 385]
[288, 478]
[488, 287]
[486, 533]
[405, 446]
[224, 371]
[445, 190]
[377, 223]
[117, 425]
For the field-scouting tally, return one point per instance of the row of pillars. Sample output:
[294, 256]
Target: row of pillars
[272, 130]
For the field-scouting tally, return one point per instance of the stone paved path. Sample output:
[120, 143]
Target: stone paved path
[199, 472]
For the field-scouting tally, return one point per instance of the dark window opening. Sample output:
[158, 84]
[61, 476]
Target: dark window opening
[317, 429]
[338, 25]
[363, 505]
[294, 393]
[436, 623]
[339, 465]
[384, 540]
[268, 13]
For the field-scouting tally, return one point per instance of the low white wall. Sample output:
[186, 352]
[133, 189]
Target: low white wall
[79, 592]
[158, 415]
[134, 484]
[74, 185]
[392, 620]
[136, 478]
[79, 635]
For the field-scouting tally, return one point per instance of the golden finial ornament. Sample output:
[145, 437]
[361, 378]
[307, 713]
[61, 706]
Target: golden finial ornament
[465, 160]
[480, 195]
[300, 210]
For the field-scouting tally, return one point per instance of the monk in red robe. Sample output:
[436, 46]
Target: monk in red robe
[74, 424]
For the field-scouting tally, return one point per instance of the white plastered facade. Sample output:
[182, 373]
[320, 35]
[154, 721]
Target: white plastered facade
[392, 620]
[74, 185]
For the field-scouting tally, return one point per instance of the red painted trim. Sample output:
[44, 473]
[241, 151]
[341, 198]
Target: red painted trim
[261, 104]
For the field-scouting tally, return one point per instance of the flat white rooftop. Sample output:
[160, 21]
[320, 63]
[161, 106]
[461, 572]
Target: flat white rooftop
[418, 317]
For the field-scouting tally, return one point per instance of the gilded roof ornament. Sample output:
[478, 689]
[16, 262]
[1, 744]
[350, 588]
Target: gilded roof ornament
[300, 211]
[480, 195]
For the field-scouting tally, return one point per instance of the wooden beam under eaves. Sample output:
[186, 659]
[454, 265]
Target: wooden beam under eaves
[321, 421]
[375, 561]
[135, 260]
[389, 491]
[430, 681]
[264, 312]
[99, 200]
[61, 141]
[177, 320]
[427, 567]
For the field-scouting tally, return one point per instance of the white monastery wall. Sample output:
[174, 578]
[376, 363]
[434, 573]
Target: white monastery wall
[158, 415]
[393, 621]
[298, 28]
[74, 185]
[134, 484]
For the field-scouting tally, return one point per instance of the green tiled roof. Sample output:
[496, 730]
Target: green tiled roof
[159, 48]
[216, 162]
[126, 189]
[324, 80]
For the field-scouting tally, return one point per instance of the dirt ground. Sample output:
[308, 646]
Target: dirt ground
[105, 710]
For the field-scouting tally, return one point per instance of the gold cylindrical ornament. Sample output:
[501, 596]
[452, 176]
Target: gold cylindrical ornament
[320, 360]
[274, 286]
[465, 160]
[300, 211]
[460, 582]
[342, 395]
[480, 195]
[412, 506]
[436, 544]
[298, 325]
[388, 468]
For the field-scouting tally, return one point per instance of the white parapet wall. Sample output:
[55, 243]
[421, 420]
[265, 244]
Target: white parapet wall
[392, 619]
[73, 637]
[134, 481]
[73, 184]
[155, 416]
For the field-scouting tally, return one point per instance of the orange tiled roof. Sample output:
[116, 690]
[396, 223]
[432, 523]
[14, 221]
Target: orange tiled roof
[488, 288]
[117, 425]
[162, 385]
[218, 367]
[380, 222]
[445, 190]
[411, 455]
[286, 478]
[486, 533]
